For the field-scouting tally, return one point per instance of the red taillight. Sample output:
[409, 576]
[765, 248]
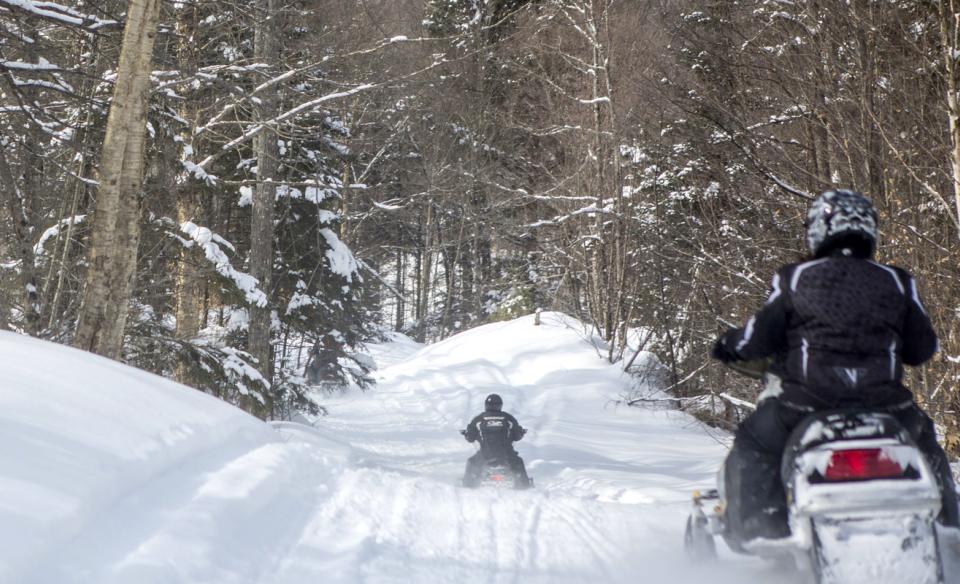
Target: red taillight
[497, 477]
[860, 464]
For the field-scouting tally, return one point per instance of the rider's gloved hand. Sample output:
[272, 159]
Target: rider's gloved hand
[722, 353]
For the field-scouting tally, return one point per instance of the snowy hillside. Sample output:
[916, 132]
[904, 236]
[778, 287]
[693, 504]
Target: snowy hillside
[111, 475]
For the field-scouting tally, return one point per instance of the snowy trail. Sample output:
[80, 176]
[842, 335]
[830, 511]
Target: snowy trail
[139, 480]
[612, 488]
[414, 530]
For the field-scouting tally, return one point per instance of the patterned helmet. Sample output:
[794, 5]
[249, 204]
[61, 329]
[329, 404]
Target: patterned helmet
[841, 218]
[493, 403]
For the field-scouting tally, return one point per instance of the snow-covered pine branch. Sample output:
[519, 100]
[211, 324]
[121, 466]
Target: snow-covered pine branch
[211, 244]
[340, 257]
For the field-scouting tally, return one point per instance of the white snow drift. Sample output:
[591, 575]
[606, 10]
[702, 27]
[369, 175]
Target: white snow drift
[111, 475]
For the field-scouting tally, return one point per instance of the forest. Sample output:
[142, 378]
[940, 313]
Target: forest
[237, 194]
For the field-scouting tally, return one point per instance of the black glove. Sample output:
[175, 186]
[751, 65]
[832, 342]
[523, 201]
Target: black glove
[723, 354]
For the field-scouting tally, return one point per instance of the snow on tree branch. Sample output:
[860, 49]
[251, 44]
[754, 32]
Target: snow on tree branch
[57, 12]
[55, 231]
[238, 367]
[211, 244]
[41, 65]
[591, 209]
[341, 258]
[251, 133]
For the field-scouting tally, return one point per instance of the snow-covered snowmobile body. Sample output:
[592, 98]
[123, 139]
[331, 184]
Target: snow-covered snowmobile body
[862, 500]
[498, 474]
[862, 503]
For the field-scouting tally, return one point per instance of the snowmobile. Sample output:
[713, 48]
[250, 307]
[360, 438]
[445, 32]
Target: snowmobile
[497, 473]
[861, 500]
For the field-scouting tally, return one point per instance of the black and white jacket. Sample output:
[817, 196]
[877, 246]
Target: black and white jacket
[840, 329]
[496, 431]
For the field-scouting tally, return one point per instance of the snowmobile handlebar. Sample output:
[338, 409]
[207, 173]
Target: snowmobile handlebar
[523, 432]
[753, 369]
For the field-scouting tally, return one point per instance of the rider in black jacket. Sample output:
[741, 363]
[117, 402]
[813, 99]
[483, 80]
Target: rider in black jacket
[839, 328]
[497, 431]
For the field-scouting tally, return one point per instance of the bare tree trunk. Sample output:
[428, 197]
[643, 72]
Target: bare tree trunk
[188, 303]
[618, 262]
[602, 297]
[116, 229]
[187, 285]
[950, 43]
[345, 202]
[187, 291]
[417, 274]
[873, 152]
[425, 268]
[64, 264]
[400, 284]
[20, 220]
[451, 273]
[22, 201]
[949, 31]
[89, 55]
[267, 49]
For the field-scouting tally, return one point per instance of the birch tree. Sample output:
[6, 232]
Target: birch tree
[112, 251]
[949, 28]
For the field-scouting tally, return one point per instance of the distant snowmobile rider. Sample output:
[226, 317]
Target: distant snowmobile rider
[839, 328]
[497, 431]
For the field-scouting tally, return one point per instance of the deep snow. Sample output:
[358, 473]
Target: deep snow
[112, 475]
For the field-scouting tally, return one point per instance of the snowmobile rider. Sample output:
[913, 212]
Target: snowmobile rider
[497, 431]
[839, 328]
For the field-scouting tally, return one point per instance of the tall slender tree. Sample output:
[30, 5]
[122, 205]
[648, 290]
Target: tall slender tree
[267, 51]
[116, 232]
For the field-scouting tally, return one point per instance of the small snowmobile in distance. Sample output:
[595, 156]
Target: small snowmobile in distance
[862, 504]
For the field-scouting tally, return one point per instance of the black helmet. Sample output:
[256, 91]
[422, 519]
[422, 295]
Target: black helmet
[493, 403]
[842, 218]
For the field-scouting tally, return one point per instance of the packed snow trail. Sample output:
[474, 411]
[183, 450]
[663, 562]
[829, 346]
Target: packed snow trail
[612, 484]
[111, 475]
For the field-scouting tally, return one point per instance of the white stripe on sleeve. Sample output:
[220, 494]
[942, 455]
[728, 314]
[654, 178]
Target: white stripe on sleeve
[916, 296]
[775, 292]
[747, 333]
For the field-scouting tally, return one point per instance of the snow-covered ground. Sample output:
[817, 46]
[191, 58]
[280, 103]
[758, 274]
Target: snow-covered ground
[111, 475]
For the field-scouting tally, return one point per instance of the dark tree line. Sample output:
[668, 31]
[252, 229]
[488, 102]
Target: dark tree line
[315, 172]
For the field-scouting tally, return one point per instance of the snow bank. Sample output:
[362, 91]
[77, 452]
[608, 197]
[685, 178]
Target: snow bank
[81, 432]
